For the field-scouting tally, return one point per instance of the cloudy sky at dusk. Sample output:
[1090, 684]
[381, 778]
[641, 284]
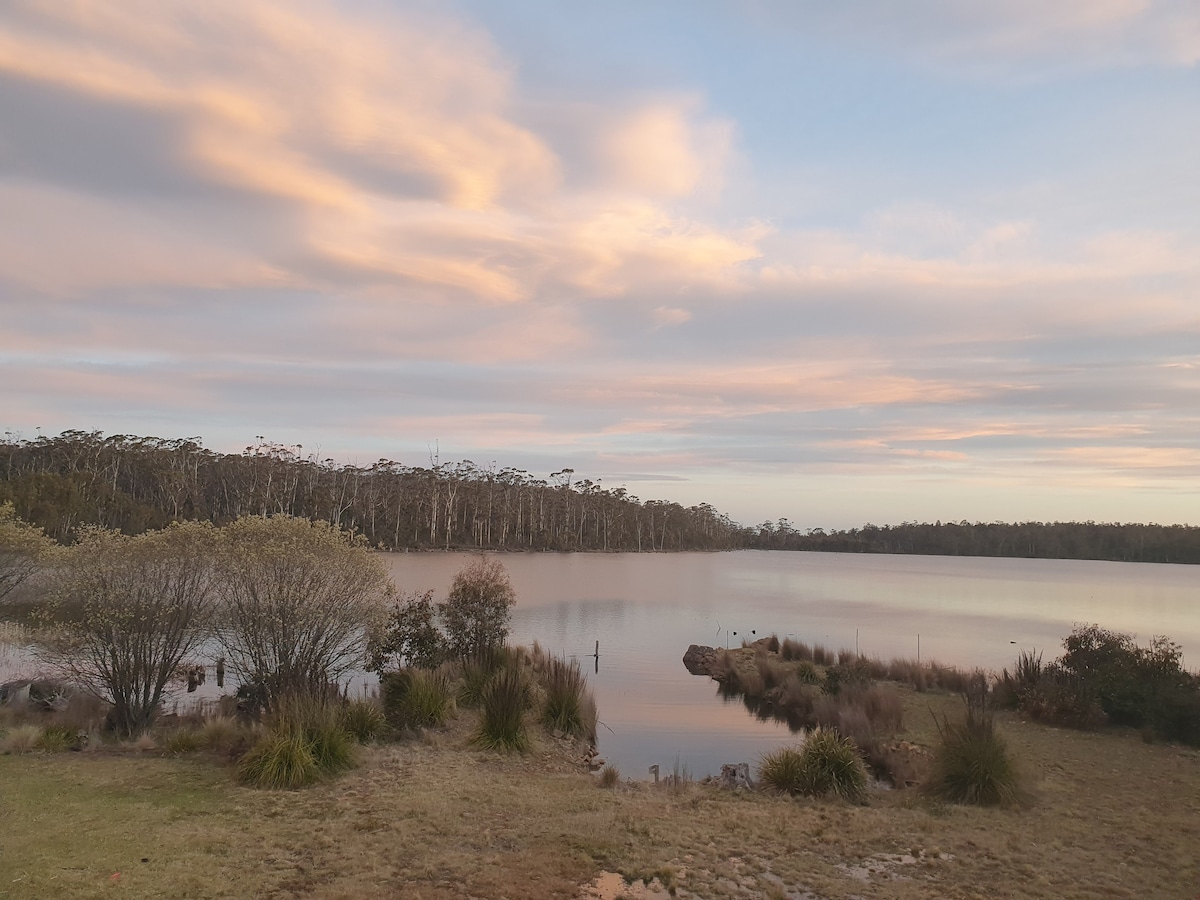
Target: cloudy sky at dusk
[834, 262]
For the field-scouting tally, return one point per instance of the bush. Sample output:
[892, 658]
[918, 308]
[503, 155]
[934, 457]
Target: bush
[363, 720]
[416, 698]
[568, 705]
[410, 635]
[502, 726]
[971, 763]
[477, 610]
[1105, 676]
[126, 611]
[299, 598]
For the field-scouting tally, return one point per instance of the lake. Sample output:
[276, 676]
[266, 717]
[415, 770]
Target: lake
[645, 609]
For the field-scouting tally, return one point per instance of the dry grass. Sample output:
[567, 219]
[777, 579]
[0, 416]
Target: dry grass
[1110, 816]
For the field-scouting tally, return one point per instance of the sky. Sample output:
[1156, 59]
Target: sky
[839, 263]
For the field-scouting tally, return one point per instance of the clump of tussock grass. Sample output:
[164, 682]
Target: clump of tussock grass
[609, 776]
[792, 651]
[57, 738]
[502, 725]
[807, 673]
[821, 656]
[782, 771]
[303, 743]
[770, 669]
[280, 761]
[772, 644]
[416, 698]
[971, 763]
[568, 705]
[223, 734]
[21, 739]
[183, 741]
[826, 763]
[363, 720]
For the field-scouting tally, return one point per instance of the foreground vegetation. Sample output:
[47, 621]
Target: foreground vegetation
[439, 817]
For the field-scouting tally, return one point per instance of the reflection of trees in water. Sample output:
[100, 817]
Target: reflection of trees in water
[764, 708]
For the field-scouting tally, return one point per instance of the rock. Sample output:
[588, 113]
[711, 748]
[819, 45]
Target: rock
[700, 660]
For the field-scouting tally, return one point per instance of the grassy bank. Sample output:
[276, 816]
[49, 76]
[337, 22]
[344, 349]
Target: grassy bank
[439, 817]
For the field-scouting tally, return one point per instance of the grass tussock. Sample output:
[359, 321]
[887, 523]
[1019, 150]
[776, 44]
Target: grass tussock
[224, 734]
[21, 739]
[416, 698]
[304, 742]
[502, 725]
[609, 776]
[183, 741]
[795, 651]
[363, 720]
[825, 764]
[971, 764]
[568, 706]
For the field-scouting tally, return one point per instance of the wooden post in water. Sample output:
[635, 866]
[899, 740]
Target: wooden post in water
[918, 648]
[597, 657]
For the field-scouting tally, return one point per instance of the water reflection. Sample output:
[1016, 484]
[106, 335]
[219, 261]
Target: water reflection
[645, 609]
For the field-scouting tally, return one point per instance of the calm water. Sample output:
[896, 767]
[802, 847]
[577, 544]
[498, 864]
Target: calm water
[645, 609]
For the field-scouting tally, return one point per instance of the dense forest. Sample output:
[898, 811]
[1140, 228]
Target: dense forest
[138, 483]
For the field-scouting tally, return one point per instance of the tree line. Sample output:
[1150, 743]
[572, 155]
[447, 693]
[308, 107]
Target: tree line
[1121, 542]
[135, 484]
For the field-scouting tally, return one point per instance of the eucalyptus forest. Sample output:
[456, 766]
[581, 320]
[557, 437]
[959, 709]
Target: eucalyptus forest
[135, 484]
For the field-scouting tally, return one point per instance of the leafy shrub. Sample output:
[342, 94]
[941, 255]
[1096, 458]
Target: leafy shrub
[363, 720]
[410, 634]
[502, 726]
[1105, 676]
[971, 763]
[416, 698]
[568, 706]
[477, 610]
